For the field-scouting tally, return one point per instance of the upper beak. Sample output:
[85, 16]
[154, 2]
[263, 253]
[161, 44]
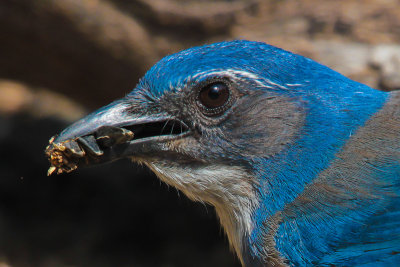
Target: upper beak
[112, 132]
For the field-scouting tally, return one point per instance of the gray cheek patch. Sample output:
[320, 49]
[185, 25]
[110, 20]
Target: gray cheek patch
[264, 125]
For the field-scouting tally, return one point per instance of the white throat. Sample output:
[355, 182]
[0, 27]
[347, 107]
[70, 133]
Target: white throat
[228, 188]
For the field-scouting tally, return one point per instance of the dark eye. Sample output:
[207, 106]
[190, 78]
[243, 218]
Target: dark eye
[214, 95]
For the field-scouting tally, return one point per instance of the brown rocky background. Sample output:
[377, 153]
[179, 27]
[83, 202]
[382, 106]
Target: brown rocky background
[60, 59]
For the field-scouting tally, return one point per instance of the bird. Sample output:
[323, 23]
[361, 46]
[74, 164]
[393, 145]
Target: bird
[301, 163]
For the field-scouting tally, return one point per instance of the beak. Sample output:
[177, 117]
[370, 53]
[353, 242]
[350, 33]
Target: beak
[115, 131]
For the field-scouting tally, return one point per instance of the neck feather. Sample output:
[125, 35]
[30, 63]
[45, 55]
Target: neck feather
[331, 119]
[229, 189]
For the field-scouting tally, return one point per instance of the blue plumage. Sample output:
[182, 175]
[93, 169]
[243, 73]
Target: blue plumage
[301, 163]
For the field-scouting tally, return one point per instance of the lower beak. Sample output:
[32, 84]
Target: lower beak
[110, 133]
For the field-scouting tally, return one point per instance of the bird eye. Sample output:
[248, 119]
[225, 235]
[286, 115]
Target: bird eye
[214, 97]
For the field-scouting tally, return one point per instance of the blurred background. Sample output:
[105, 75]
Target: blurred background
[60, 59]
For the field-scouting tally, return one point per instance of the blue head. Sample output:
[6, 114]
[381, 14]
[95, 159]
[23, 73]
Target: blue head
[241, 125]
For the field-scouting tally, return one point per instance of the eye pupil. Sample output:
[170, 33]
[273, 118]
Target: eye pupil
[214, 95]
[214, 92]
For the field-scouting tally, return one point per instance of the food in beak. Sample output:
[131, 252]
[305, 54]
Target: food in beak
[65, 156]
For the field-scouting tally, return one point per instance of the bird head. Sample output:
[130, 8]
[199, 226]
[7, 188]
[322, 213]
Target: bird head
[218, 122]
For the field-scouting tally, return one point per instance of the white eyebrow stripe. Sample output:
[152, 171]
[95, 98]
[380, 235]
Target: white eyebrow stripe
[240, 73]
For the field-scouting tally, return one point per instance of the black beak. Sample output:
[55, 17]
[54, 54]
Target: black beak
[110, 133]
